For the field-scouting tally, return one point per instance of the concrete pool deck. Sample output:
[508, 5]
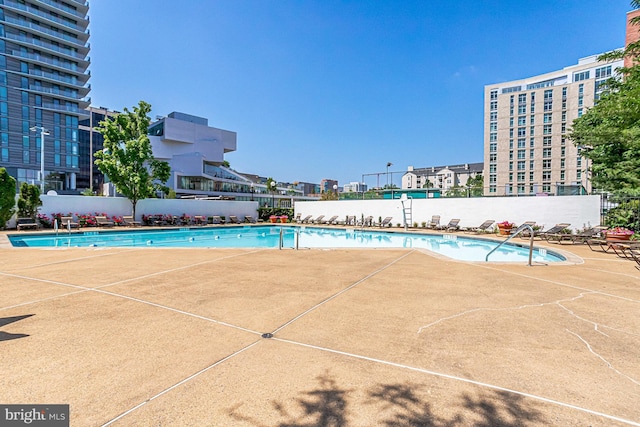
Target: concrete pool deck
[358, 337]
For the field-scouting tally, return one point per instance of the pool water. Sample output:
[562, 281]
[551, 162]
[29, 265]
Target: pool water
[451, 245]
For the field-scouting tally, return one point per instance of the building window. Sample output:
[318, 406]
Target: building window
[546, 164]
[522, 120]
[521, 176]
[531, 164]
[579, 112]
[493, 157]
[546, 141]
[522, 109]
[521, 165]
[564, 116]
[493, 127]
[531, 176]
[492, 179]
[546, 176]
[546, 130]
[522, 142]
[493, 95]
[492, 168]
[493, 105]
[577, 77]
[493, 116]
[546, 153]
[547, 118]
[522, 132]
[493, 137]
[548, 105]
[493, 148]
[533, 120]
[522, 154]
[603, 72]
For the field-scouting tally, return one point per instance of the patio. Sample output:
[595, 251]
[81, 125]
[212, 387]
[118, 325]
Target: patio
[319, 337]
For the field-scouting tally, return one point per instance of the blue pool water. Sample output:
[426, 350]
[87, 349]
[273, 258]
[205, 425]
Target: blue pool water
[453, 246]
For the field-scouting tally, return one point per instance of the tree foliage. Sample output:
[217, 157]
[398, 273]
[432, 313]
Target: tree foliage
[127, 158]
[7, 196]
[29, 201]
[608, 134]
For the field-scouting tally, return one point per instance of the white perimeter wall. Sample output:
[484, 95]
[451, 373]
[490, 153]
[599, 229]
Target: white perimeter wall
[122, 206]
[579, 211]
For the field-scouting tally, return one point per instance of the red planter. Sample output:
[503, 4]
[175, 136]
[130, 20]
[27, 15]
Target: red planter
[273, 220]
[504, 231]
[618, 237]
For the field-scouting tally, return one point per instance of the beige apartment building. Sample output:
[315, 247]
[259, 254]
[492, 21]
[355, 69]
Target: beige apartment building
[526, 123]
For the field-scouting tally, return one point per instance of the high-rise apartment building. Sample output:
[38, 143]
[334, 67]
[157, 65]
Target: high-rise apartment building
[526, 123]
[43, 89]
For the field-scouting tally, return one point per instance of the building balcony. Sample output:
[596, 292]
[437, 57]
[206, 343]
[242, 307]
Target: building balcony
[76, 81]
[81, 12]
[83, 59]
[75, 110]
[78, 30]
[21, 24]
[54, 63]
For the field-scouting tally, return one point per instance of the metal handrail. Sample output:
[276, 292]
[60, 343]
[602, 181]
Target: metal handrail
[518, 231]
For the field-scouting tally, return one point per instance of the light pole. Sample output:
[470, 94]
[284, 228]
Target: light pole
[388, 164]
[273, 191]
[335, 190]
[253, 189]
[43, 132]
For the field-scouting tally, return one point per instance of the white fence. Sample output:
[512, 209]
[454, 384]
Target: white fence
[579, 211]
[81, 205]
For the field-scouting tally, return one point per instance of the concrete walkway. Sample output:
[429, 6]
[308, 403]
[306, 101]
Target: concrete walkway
[220, 337]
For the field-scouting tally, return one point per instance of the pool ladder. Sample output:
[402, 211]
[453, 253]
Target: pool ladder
[518, 231]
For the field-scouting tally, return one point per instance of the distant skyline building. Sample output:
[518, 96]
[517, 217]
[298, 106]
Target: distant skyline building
[44, 48]
[526, 127]
[441, 177]
[89, 176]
[354, 187]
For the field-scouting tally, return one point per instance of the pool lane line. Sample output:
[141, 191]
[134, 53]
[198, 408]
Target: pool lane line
[178, 384]
[462, 379]
[337, 294]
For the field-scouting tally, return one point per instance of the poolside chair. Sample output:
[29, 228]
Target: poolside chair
[103, 221]
[304, 220]
[386, 222]
[555, 232]
[481, 228]
[130, 222]
[526, 234]
[200, 220]
[318, 220]
[23, 223]
[234, 219]
[635, 255]
[435, 222]
[367, 222]
[588, 234]
[451, 226]
[67, 222]
[250, 219]
[331, 220]
[216, 219]
[297, 218]
[351, 220]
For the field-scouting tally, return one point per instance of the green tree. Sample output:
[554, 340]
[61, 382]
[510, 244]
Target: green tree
[127, 158]
[7, 196]
[475, 186]
[608, 134]
[29, 201]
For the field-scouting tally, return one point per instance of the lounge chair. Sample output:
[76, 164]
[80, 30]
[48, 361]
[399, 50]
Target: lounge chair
[216, 219]
[130, 222]
[451, 226]
[67, 222]
[304, 220]
[318, 220]
[23, 223]
[350, 220]
[366, 222]
[635, 255]
[250, 219]
[481, 228]
[588, 234]
[200, 220]
[331, 220]
[234, 219]
[526, 234]
[435, 222]
[386, 222]
[297, 218]
[555, 232]
[103, 221]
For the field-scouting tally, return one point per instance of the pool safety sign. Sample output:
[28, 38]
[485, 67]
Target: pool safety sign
[34, 415]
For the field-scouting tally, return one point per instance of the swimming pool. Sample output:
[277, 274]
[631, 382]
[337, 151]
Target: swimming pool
[450, 245]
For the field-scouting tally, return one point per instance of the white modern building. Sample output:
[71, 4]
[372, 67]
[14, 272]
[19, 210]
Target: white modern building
[354, 187]
[195, 152]
[526, 123]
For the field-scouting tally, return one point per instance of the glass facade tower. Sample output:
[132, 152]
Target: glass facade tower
[44, 48]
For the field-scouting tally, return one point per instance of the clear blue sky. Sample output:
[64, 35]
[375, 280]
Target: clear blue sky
[336, 89]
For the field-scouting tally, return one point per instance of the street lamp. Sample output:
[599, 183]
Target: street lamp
[388, 165]
[43, 132]
[335, 190]
[273, 190]
[253, 189]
